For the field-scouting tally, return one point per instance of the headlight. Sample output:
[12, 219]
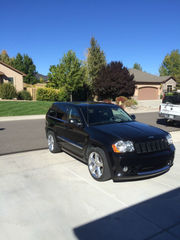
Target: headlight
[123, 146]
[169, 139]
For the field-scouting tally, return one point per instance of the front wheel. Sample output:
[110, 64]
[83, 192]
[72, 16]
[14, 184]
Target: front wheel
[98, 165]
[52, 143]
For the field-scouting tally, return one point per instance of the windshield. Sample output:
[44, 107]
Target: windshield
[99, 114]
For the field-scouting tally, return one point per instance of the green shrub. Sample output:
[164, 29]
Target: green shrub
[7, 91]
[50, 94]
[130, 102]
[62, 95]
[169, 94]
[24, 95]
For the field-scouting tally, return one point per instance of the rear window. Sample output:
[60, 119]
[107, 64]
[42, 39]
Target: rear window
[175, 99]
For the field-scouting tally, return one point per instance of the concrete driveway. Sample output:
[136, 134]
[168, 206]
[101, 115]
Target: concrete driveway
[46, 196]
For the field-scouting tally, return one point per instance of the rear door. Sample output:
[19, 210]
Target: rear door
[61, 122]
[75, 134]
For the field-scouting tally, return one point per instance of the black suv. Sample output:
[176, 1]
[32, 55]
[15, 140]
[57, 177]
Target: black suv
[109, 140]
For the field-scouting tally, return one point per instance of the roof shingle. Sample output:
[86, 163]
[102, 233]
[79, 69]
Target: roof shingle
[143, 77]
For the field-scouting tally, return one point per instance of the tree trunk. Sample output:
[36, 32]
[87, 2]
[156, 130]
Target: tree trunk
[71, 97]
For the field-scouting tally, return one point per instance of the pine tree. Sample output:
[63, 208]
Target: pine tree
[4, 57]
[95, 60]
[137, 66]
[25, 64]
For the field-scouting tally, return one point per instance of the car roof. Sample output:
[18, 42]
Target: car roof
[81, 104]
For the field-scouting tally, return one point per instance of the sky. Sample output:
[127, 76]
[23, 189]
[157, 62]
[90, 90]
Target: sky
[142, 31]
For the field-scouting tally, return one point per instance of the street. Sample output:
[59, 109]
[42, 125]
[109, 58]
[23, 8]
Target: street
[27, 135]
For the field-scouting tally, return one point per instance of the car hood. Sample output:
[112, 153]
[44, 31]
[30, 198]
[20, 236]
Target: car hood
[130, 131]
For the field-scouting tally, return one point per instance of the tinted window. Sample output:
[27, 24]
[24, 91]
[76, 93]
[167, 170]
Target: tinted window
[105, 114]
[73, 114]
[61, 112]
[52, 113]
[175, 99]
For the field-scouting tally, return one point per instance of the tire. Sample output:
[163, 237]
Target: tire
[52, 143]
[97, 164]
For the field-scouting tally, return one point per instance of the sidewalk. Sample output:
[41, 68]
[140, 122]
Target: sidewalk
[27, 117]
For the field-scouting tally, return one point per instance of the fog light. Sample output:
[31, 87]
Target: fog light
[125, 169]
[119, 174]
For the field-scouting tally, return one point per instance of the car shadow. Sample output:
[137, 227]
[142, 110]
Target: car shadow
[164, 122]
[1, 129]
[156, 218]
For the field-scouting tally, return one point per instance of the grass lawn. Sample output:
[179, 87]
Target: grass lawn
[18, 108]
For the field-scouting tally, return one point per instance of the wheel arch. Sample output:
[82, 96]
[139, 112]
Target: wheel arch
[96, 144]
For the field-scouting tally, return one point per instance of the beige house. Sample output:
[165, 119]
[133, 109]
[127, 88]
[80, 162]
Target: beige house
[9, 74]
[151, 87]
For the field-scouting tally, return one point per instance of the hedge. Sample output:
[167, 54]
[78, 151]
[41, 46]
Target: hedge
[24, 95]
[50, 94]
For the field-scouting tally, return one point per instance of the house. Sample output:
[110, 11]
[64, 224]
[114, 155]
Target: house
[9, 74]
[151, 87]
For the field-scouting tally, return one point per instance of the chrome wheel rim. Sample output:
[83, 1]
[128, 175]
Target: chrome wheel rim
[95, 164]
[50, 142]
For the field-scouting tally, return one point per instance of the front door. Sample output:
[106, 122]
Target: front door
[75, 135]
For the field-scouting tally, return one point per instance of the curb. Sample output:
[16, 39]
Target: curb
[17, 118]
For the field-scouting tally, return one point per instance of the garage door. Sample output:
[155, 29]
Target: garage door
[148, 93]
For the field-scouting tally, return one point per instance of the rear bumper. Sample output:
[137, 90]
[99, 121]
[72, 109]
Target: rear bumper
[138, 166]
[170, 116]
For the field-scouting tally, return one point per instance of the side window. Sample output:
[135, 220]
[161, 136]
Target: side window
[52, 113]
[62, 112]
[74, 114]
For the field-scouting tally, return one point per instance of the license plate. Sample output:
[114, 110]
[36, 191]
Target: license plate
[171, 116]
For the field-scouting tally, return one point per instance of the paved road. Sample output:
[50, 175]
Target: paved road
[26, 135]
[23, 135]
[153, 119]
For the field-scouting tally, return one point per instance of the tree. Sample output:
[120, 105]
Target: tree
[137, 66]
[171, 66]
[70, 73]
[114, 80]
[4, 57]
[95, 60]
[25, 64]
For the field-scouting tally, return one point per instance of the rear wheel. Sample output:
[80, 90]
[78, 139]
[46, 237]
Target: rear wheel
[52, 143]
[98, 165]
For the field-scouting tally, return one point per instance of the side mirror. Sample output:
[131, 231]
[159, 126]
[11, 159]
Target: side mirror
[75, 122]
[133, 116]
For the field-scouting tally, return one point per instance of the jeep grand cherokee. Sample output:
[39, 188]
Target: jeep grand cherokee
[109, 140]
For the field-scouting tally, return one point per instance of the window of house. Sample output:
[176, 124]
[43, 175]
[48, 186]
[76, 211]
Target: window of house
[169, 88]
[10, 79]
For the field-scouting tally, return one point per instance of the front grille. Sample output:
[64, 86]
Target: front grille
[151, 146]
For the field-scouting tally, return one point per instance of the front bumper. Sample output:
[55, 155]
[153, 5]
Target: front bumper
[139, 166]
